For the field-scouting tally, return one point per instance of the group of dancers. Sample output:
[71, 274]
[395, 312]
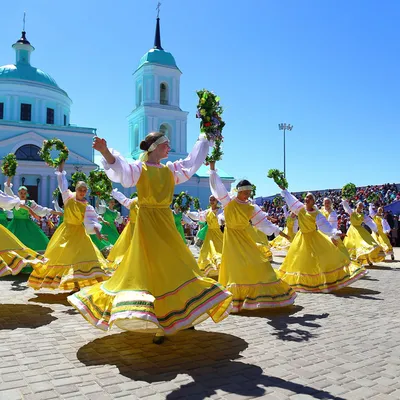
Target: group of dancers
[150, 279]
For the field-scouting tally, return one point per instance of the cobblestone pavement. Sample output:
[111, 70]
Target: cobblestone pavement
[328, 346]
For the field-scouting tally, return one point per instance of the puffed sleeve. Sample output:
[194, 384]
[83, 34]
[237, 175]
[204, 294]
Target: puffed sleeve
[127, 174]
[218, 189]
[370, 223]
[347, 207]
[8, 189]
[63, 185]
[122, 199]
[101, 207]
[325, 227]
[385, 226]
[40, 210]
[372, 211]
[294, 205]
[183, 170]
[186, 219]
[333, 219]
[260, 221]
[57, 206]
[296, 225]
[286, 213]
[119, 219]
[9, 202]
[91, 220]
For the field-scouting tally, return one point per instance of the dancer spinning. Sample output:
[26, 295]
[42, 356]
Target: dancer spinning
[110, 216]
[359, 242]
[313, 263]
[210, 253]
[73, 261]
[383, 230]
[292, 226]
[158, 283]
[179, 216]
[121, 247]
[14, 255]
[244, 270]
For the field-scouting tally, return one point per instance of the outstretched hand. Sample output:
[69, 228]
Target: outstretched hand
[212, 165]
[99, 144]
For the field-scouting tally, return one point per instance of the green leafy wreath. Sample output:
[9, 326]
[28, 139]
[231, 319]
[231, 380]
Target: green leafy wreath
[373, 198]
[196, 203]
[133, 195]
[278, 201]
[78, 176]
[59, 145]
[349, 191]
[254, 191]
[56, 193]
[99, 184]
[184, 201]
[10, 164]
[278, 177]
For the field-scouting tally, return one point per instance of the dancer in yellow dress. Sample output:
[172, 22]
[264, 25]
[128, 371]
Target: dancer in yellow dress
[14, 255]
[158, 285]
[359, 242]
[313, 263]
[331, 215]
[383, 230]
[210, 253]
[121, 247]
[245, 271]
[73, 261]
[280, 243]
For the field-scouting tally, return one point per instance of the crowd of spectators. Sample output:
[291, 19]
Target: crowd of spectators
[387, 194]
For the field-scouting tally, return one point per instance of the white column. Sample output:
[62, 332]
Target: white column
[43, 191]
[36, 111]
[53, 185]
[7, 108]
[16, 111]
[156, 90]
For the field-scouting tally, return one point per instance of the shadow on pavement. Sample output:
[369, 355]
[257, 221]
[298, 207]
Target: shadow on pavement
[282, 319]
[50, 298]
[368, 278]
[361, 293]
[210, 358]
[18, 282]
[13, 316]
[381, 268]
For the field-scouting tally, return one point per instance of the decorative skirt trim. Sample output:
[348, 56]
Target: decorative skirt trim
[13, 261]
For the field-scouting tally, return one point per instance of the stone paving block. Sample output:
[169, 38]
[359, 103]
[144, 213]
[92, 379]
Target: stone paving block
[10, 394]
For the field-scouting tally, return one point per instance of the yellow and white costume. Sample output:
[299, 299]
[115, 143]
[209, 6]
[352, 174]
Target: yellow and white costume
[245, 271]
[14, 255]
[313, 263]
[73, 261]
[158, 284]
[121, 246]
[383, 230]
[210, 253]
[280, 243]
[358, 241]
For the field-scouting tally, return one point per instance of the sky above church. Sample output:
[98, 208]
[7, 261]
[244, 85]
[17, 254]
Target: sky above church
[329, 68]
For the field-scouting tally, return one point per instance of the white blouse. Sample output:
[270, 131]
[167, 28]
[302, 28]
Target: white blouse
[122, 199]
[9, 202]
[367, 219]
[259, 217]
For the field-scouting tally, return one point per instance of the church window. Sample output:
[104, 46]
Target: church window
[140, 96]
[163, 93]
[26, 112]
[50, 116]
[1, 110]
[136, 137]
[28, 152]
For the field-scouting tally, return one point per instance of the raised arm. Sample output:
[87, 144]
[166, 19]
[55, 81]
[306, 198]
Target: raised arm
[333, 219]
[9, 202]
[122, 199]
[8, 187]
[63, 185]
[347, 207]
[183, 170]
[294, 205]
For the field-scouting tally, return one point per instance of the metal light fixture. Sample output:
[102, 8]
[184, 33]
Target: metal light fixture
[283, 127]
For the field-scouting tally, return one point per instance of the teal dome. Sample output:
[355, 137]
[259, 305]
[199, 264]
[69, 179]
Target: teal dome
[156, 56]
[26, 72]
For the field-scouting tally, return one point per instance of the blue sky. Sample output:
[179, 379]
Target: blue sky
[330, 68]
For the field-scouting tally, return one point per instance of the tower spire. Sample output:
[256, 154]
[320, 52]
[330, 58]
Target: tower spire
[157, 38]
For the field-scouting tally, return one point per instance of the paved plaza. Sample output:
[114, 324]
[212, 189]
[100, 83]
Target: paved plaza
[344, 345]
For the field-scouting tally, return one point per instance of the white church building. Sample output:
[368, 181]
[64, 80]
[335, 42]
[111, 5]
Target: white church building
[34, 108]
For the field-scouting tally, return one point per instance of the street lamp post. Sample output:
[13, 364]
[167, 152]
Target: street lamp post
[283, 127]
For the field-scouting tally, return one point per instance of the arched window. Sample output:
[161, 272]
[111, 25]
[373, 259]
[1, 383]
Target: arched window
[136, 137]
[163, 93]
[139, 99]
[28, 152]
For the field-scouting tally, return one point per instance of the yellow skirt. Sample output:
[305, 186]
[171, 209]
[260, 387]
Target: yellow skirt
[73, 261]
[384, 242]
[210, 253]
[14, 255]
[262, 242]
[362, 247]
[280, 243]
[248, 275]
[121, 246]
[157, 286]
[314, 264]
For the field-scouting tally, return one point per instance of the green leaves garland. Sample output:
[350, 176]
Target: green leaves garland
[278, 177]
[10, 164]
[196, 203]
[253, 192]
[373, 198]
[278, 201]
[99, 184]
[78, 176]
[56, 193]
[48, 145]
[210, 112]
[349, 191]
[184, 201]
